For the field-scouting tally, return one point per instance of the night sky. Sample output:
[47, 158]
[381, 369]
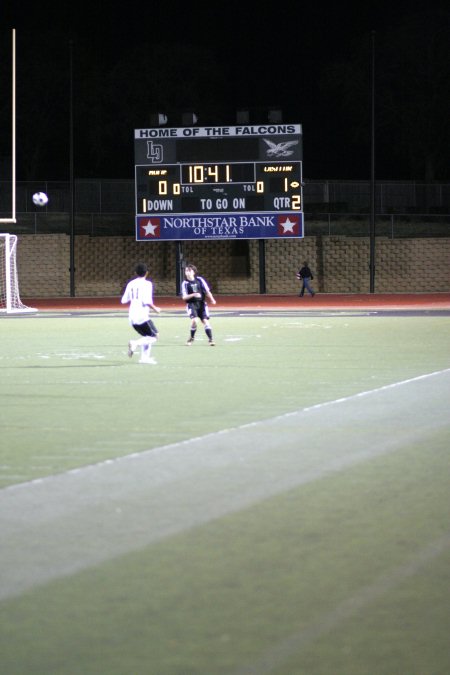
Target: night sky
[254, 58]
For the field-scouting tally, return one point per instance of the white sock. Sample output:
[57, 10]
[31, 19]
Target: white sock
[145, 352]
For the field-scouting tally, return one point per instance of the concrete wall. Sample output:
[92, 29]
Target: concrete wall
[340, 265]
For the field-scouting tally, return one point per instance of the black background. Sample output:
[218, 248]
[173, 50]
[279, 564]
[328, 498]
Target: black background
[255, 57]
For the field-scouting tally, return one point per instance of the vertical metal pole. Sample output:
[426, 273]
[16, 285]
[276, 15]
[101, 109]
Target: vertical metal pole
[179, 266]
[372, 169]
[71, 177]
[13, 176]
[8, 272]
[262, 266]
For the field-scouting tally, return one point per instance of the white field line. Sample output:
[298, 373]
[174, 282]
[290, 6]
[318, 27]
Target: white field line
[276, 655]
[59, 525]
[205, 438]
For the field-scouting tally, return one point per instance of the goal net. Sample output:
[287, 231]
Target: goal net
[10, 301]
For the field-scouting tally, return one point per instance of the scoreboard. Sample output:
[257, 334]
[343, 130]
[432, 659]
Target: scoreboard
[242, 182]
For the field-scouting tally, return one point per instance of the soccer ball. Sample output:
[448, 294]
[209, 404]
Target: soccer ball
[40, 199]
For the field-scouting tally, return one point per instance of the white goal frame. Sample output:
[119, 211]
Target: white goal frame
[10, 301]
[13, 218]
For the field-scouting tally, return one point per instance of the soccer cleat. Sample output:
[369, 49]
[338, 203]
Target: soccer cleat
[149, 361]
[190, 341]
[212, 343]
[130, 348]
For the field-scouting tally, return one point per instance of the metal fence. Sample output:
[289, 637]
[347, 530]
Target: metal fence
[107, 208]
[390, 197]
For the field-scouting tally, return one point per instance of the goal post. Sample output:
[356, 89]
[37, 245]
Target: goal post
[10, 301]
[13, 218]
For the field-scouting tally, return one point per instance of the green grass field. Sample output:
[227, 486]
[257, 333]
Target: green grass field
[276, 504]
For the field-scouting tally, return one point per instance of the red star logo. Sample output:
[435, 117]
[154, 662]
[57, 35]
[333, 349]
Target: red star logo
[288, 225]
[149, 228]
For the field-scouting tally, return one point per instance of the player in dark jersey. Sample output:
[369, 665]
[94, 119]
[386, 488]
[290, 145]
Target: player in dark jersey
[195, 291]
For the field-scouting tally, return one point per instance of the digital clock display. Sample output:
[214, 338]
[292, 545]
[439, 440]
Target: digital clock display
[231, 182]
[216, 173]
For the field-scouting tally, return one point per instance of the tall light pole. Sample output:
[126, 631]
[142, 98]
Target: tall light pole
[71, 176]
[372, 167]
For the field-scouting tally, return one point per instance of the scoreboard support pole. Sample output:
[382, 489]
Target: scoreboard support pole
[179, 266]
[262, 266]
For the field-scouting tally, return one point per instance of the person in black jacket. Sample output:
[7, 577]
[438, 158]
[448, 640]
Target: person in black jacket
[306, 276]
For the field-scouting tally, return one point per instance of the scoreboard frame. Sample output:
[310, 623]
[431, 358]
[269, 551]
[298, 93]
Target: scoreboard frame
[242, 182]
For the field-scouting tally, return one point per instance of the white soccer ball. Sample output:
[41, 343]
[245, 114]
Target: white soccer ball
[40, 199]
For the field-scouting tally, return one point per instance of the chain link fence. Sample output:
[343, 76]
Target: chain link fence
[332, 208]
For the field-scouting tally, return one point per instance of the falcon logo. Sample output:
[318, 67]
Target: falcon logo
[279, 149]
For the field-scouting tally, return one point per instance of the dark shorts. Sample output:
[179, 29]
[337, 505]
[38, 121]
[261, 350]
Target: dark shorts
[197, 310]
[147, 329]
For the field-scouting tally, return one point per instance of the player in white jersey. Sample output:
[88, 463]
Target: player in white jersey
[139, 296]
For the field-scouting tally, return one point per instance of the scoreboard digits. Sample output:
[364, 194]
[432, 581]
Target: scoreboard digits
[186, 188]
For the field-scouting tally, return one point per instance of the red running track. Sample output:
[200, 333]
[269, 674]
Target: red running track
[326, 301]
